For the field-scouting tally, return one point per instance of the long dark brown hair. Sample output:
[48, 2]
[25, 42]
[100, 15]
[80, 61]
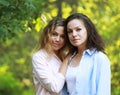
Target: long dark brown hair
[94, 40]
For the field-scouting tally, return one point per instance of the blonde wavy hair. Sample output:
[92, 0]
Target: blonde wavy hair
[44, 41]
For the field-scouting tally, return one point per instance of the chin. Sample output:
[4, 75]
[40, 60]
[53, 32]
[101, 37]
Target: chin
[56, 49]
[75, 45]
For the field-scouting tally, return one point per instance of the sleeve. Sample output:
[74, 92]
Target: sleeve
[51, 82]
[103, 76]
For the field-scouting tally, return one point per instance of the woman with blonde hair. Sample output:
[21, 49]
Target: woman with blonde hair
[48, 78]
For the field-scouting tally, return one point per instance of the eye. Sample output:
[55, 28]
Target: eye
[54, 34]
[69, 31]
[78, 29]
[62, 36]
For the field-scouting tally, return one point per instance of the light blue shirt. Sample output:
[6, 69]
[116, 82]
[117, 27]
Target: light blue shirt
[94, 75]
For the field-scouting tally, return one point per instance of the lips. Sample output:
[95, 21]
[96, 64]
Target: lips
[75, 40]
[55, 45]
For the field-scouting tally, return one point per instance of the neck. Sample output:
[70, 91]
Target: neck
[81, 50]
[58, 55]
[56, 52]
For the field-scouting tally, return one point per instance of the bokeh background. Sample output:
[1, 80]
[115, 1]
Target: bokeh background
[21, 22]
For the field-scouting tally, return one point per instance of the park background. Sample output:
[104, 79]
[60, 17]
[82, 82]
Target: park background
[21, 22]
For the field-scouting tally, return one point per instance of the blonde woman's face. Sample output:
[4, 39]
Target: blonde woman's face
[57, 38]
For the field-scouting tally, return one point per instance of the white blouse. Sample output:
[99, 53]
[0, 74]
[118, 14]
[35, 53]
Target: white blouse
[71, 78]
[47, 79]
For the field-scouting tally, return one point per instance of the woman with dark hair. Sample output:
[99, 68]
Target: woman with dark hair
[48, 78]
[88, 71]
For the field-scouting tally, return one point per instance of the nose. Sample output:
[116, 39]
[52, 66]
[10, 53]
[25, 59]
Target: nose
[58, 38]
[74, 33]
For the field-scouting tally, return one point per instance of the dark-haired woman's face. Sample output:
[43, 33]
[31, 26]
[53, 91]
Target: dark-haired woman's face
[77, 33]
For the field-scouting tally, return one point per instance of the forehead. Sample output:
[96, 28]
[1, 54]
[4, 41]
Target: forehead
[59, 29]
[75, 23]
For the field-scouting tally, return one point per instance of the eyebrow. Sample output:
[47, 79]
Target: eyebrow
[75, 27]
[57, 32]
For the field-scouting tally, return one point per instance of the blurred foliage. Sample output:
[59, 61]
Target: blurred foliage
[15, 15]
[9, 85]
[21, 22]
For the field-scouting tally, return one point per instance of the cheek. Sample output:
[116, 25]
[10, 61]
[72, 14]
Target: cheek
[63, 41]
[85, 36]
[51, 39]
[69, 37]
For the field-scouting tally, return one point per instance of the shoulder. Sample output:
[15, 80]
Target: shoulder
[101, 57]
[39, 58]
[39, 54]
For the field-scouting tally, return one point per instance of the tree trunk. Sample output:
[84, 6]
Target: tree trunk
[59, 6]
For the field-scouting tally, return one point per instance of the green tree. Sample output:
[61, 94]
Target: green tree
[15, 16]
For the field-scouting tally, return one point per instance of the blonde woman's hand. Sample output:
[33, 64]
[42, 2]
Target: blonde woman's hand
[64, 65]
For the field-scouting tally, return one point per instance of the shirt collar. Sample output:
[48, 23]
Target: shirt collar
[90, 51]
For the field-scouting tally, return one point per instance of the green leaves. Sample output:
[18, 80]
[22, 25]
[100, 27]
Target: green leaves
[8, 84]
[13, 17]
